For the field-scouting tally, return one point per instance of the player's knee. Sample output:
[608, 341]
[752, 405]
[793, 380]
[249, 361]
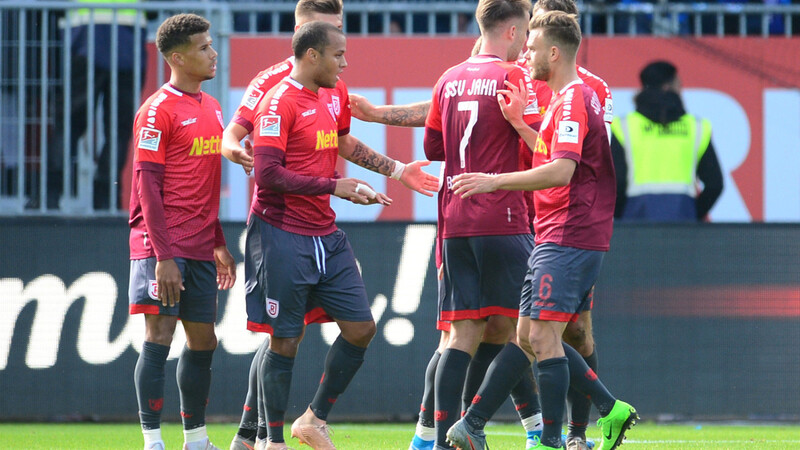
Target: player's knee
[580, 338]
[202, 343]
[159, 336]
[360, 334]
[499, 330]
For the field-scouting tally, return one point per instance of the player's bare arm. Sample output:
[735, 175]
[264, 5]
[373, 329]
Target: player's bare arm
[512, 103]
[411, 115]
[554, 174]
[233, 149]
[226, 267]
[169, 282]
[411, 175]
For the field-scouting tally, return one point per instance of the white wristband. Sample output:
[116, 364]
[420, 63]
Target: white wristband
[398, 170]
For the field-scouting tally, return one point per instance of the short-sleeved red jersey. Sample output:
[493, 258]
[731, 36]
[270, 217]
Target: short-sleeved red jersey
[580, 214]
[184, 135]
[304, 126]
[466, 129]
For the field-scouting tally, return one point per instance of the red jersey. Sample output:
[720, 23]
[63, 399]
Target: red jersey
[580, 214]
[466, 129]
[264, 82]
[181, 133]
[303, 129]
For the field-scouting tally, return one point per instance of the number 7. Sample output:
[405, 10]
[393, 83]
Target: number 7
[472, 107]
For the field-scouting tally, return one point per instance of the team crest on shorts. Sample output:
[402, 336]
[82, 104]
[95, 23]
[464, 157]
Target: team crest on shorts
[272, 308]
[152, 289]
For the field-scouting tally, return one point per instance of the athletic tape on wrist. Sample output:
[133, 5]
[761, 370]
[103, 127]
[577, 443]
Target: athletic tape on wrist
[398, 170]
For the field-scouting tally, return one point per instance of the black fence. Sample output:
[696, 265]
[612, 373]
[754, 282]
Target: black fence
[691, 322]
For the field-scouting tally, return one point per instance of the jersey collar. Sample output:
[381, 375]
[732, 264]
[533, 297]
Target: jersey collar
[477, 59]
[564, 89]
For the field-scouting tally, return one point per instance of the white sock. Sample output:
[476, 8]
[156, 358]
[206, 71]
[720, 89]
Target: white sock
[425, 433]
[152, 437]
[533, 423]
[195, 437]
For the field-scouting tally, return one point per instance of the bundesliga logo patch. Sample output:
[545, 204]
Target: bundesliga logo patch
[252, 98]
[149, 139]
[270, 125]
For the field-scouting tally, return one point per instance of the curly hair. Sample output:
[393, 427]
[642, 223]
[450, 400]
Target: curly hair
[177, 31]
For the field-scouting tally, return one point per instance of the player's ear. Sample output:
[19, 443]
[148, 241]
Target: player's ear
[312, 54]
[176, 58]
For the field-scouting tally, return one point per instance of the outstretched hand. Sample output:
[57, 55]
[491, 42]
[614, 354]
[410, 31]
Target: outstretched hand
[416, 179]
[354, 190]
[362, 109]
[244, 157]
[468, 184]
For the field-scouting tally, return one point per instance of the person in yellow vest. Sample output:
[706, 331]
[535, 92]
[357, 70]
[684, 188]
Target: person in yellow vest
[662, 153]
[81, 24]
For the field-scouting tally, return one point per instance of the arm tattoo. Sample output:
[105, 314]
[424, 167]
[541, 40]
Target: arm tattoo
[407, 115]
[370, 159]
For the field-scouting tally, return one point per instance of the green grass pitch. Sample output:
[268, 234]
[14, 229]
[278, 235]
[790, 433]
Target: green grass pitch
[397, 436]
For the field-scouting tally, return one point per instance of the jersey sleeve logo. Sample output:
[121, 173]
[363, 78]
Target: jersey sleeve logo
[568, 132]
[270, 125]
[252, 98]
[608, 116]
[149, 139]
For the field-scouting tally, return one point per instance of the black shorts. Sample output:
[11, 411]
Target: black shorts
[560, 282]
[198, 301]
[291, 276]
[484, 275]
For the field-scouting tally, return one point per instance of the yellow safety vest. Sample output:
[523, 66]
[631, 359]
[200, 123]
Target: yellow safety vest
[126, 17]
[662, 159]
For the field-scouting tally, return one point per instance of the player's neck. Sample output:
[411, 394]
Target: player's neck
[185, 84]
[494, 49]
[305, 78]
[562, 76]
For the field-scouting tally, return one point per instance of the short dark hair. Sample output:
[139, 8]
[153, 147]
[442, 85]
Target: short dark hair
[177, 31]
[657, 74]
[306, 8]
[491, 13]
[567, 6]
[314, 35]
[560, 28]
